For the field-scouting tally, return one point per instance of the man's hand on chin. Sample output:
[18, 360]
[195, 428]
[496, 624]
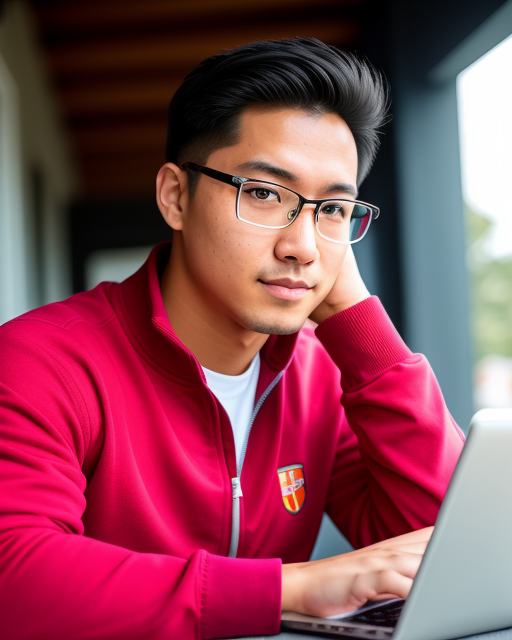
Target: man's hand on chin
[348, 290]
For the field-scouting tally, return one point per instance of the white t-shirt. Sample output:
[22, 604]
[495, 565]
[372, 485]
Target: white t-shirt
[236, 394]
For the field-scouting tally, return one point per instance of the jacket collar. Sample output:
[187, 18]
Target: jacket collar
[142, 313]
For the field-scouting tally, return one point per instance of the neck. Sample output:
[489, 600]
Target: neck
[218, 342]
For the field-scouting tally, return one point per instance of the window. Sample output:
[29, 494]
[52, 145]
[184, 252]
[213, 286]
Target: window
[484, 95]
[113, 264]
[13, 292]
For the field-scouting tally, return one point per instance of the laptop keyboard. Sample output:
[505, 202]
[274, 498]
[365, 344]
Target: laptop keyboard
[385, 616]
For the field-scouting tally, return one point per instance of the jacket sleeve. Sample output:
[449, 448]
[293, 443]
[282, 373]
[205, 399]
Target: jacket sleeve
[398, 444]
[57, 583]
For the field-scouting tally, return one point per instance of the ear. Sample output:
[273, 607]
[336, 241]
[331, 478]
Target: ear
[172, 194]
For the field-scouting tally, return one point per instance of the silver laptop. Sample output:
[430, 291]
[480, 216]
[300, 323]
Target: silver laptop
[464, 583]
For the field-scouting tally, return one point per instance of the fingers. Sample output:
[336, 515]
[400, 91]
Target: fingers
[393, 579]
[394, 582]
[386, 596]
[421, 535]
[411, 547]
[414, 548]
[406, 564]
[344, 582]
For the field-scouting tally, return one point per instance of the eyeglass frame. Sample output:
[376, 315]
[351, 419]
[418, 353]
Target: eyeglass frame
[239, 181]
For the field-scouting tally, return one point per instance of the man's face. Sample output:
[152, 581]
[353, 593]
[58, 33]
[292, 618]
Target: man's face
[249, 273]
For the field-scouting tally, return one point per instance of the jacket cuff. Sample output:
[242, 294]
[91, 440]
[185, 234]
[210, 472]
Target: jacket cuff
[362, 341]
[240, 597]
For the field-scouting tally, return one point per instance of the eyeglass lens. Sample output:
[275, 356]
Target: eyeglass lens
[275, 207]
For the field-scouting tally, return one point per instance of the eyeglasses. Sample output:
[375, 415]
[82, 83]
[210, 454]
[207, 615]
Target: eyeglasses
[269, 205]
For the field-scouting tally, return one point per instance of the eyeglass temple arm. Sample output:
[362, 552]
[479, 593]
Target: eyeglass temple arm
[234, 181]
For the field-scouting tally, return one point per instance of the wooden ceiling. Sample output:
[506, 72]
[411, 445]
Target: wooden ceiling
[115, 65]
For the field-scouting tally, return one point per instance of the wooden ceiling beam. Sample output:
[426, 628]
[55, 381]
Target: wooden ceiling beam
[124, 162]
[117, 63]
[118, 188]
[121, 180]
[90, 99]
[97, 16]
[184, 49]
[94, 142]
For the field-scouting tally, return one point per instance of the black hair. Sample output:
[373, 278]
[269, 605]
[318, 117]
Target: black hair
[301, 73]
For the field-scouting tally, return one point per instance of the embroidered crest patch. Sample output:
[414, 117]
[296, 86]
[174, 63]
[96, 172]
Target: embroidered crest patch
[293, 487]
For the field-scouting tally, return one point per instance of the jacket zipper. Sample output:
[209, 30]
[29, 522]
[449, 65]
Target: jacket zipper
[235, 482]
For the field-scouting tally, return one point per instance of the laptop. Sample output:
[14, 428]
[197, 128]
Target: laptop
[464, 583]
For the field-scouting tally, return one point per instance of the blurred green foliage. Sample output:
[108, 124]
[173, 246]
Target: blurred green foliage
[491, 291]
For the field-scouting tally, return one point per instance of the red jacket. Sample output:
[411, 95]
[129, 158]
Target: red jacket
[116, 465]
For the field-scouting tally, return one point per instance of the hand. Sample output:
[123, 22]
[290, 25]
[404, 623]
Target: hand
[348, 290]
[345, 582]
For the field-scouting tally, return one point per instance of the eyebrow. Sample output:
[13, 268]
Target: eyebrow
[279, 172]
[260, 165]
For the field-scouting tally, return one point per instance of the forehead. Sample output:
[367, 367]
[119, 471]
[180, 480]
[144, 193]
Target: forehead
[302, 142]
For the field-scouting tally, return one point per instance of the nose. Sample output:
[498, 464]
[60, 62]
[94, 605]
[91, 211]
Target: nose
[297, 242]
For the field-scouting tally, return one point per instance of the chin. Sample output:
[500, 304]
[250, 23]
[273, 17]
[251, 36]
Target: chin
[278, 327]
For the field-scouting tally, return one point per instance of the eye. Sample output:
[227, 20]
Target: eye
[264, 194]
[332, 209]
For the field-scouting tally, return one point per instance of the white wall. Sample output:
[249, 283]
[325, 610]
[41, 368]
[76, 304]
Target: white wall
[31, 140]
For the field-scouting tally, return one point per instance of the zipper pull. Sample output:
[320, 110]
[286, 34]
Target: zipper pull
[237, 489]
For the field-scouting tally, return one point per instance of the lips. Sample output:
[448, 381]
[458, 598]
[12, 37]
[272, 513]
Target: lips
[289, 283]
[286, 288]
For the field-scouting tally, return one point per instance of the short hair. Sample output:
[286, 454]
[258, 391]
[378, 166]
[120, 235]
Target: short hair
[301, 73]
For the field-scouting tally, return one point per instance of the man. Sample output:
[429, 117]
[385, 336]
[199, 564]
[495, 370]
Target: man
[170, 443]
